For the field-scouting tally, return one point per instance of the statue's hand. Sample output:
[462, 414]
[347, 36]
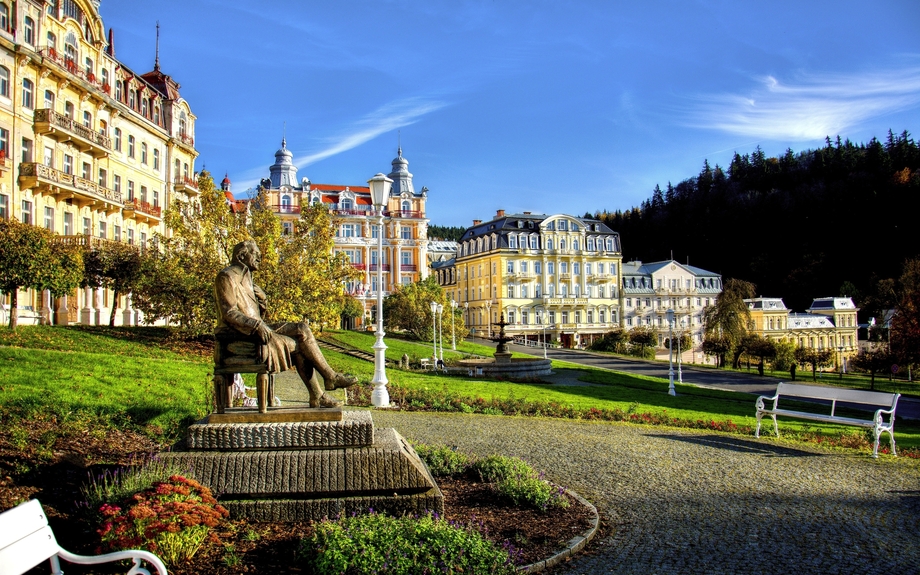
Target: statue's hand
[264, 332]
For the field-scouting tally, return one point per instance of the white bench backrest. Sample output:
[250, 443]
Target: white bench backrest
[25, 538]
[831, 393]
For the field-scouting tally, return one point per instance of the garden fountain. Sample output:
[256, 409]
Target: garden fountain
[503, 365]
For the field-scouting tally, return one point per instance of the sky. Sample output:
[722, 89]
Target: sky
[548, 107]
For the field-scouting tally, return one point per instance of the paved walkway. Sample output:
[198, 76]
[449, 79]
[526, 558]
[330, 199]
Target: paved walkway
[679, 502]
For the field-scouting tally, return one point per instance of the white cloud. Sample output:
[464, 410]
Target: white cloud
[809, 108]
[387, 118]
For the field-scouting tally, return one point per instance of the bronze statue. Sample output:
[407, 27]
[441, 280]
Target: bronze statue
[241, 304]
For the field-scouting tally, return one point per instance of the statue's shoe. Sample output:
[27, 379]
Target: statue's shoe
[325, 401]
[339, 381]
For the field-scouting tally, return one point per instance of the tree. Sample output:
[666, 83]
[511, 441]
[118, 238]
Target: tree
[817, 358]
[727, 320]
[409, 309]
[784, 357]
[121, 267]
[642, 336]
[30, 259]
[177, 279]
[762, 348]
[873, 361]
[614, 341]
[905, 325]
[717, 347]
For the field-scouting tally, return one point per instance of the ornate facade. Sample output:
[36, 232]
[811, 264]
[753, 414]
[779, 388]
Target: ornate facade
[405, 243]
[650, 289]
[89, 149]
[549, 275]
[830, 323]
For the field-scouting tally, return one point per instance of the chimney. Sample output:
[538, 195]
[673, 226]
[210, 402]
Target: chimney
[527, 213]
[477, 222]
[110, 49]
[500, 213]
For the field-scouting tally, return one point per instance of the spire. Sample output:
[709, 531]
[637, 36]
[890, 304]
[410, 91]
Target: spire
[156, 62]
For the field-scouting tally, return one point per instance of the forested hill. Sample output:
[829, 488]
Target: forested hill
[798, 226]
[453, 233]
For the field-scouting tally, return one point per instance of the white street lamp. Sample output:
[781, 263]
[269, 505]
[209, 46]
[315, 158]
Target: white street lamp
[453, 334]
[380, 190]
[434, 331]
[671, 352]
[440, 331]
[680, 336]
[489, 317]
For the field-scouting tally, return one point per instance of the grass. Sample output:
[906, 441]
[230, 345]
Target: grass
[137, 374]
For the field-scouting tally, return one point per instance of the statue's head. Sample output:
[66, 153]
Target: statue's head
[248, 254]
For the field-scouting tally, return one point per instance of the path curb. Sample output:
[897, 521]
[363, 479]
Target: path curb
[574, 545]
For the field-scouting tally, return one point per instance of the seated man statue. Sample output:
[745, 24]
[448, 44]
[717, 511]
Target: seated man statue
[240, 305]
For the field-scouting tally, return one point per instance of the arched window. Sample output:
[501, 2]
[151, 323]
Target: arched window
[29, 31]
[144, 152]
[347, 204]
[52, 45]
[144, 107]
[4, 17]
[182, 124]
[549, 243]
[118, 95]
[156, 115]
[49, 99]
[70, 50]
[561, 244]
[28, 89]
[285, 203]
[406, 206]
[156, 159]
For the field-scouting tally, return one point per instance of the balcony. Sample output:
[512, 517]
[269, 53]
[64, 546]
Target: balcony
[184, 140]
[522, 276]
[5, 162]
[50, 182]
[559, 301]
[353, 212]
[285, 209]
[73, 69]
[143, 210]
[86, 241]
[602, 278]
[186, 185]
[403, 214]
[65, 129]
[361, 267]
[408, 268]
[384, 267]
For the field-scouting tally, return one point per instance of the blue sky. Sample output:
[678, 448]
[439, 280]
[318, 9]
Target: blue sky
[539, 106]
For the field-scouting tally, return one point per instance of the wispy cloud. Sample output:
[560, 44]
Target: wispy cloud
[389, 117]
[808, 108]
[385, 119]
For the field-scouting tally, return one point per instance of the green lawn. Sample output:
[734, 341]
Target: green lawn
[134, 373]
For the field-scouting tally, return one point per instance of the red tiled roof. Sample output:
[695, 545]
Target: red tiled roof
[340, 188]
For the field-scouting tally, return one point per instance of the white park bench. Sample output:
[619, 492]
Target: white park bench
[26, 540]
[882, 420]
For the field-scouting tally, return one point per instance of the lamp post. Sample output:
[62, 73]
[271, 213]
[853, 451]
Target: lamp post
[380, 190]
[671, 352]
[489, 317]
[440, 331]
[680, 357]
[434, 331]
[466, 310]
[453, 334]
[540, 319]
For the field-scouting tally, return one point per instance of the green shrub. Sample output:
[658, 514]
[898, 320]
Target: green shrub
[118, 485]
[519, 482]
[443, 461]
[377, 544]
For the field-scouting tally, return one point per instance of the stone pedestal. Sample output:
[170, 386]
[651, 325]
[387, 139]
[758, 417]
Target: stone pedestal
[301, 471]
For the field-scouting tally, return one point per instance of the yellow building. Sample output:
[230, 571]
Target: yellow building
[405, 242]
[830, 323]
[556, 275]
[89, 149]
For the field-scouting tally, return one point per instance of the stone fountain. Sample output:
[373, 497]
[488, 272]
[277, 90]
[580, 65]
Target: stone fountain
[503, 365]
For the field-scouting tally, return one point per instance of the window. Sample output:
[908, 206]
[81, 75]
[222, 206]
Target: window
[525, 318]
[49, 99]
[564, 267]
[117, 139]
[601, 316]
[118, 90]
[182, 124]
[117, 236]
[144, 153]
[549, 243]
[28, 89]
[103, 177]
[87, 226]
[26, 150]
[156, 198]
[156, 159]
[600, 292]
[524, 290]
[49, 157]
[105, 79]
[87, 120]
[131, 100]
[590, 244]
[538, 268]
[52, 44]
[510, 267]
[4, 206]
[550, 268]
[69, 110]
[130, 191]
[4, 17]
[536, 290]
[68, 223]
[512, 242]
[130, 146]
[533, 242]
[26, 216]
[4, 82]
[144, 194]
[576, 268]
[86, 168]
[510, 317]
[89, 69]
[70, 50]
[49, 218]
[406, 234]
[406, 258]
[144, 107]
[102, 229]
[510, 291]
[68, 164]
[29, 31]
[130, 237]
[561, 244]
[156, 114]
[116, 183]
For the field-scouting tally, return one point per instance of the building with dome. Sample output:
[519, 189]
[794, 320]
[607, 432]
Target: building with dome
[89, 149]
[405, 241]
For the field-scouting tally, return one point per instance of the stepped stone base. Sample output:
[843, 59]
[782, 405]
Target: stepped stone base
[308, 471]
[354, 430]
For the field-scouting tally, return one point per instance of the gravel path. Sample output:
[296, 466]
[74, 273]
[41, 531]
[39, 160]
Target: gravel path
[681, 501]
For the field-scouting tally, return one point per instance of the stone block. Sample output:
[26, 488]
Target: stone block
[356, 429]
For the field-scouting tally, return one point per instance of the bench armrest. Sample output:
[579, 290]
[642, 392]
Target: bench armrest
[762, 398]
[135, 555]
[879, 419]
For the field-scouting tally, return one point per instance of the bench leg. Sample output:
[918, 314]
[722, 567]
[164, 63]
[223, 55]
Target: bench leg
[775, 426]
[757, 431]
[262, 391]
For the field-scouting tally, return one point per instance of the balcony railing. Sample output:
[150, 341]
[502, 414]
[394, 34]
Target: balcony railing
[408, 268]
[186, 139]
[57, 183]
[143, 207]
[353, 212]
[64, 129]
[285, 209]
[359, 266]
[86, 241]
[5, 162]
[186, 184]
[565, 301]
[403, 214]
[72, 68]
[373, 267]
